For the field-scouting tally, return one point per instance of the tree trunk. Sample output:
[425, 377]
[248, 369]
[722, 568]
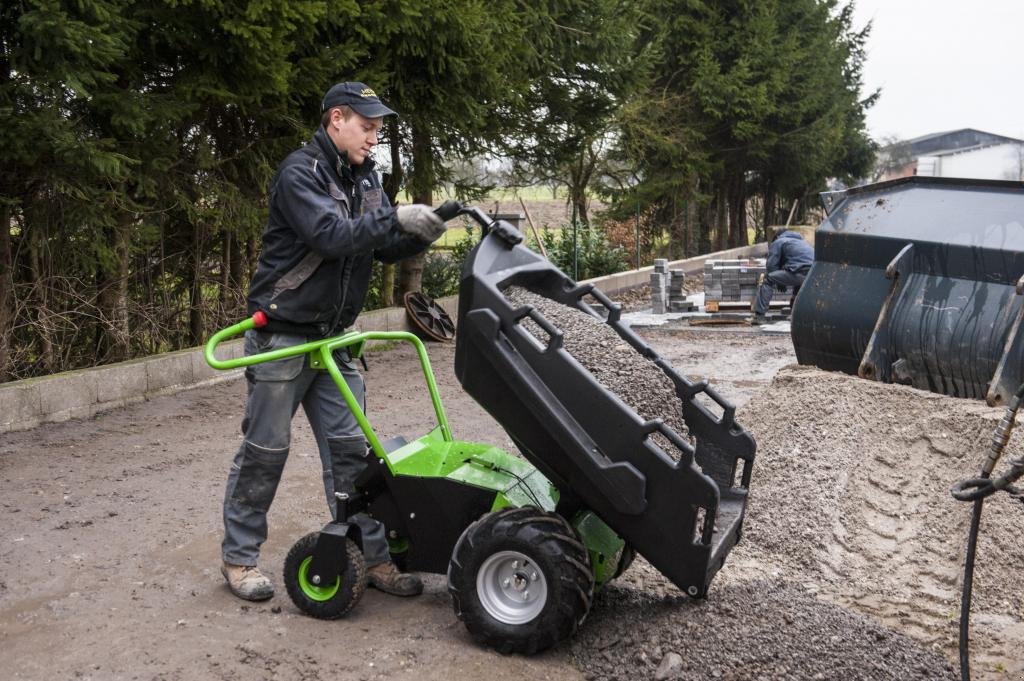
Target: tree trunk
[236, 280]
[410, 277]
[738, 211]
[226, 294]
[40, 305]
[421, 188]
[252, 258]
[691, 215]
[392, 183]
[579, 178]
[6, 292]
[387, 293]
[112, 295]
[195, 309]
[722, 218]
[770, 212]
[393, 180]
[707, 225]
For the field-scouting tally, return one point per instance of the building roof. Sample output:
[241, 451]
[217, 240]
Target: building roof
[954, 141]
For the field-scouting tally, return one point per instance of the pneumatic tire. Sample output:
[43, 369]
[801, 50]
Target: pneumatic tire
[327, 602]
[520, 580]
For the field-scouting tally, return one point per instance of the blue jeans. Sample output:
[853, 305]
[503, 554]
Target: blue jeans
[276, 389]
[778, 280]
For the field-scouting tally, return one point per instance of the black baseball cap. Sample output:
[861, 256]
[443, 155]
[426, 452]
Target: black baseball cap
[362, 99]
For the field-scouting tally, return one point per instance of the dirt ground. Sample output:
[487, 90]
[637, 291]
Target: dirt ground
[109, 564]
[545, 212]
[550, 212]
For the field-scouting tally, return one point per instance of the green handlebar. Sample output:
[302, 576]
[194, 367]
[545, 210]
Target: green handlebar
[241, 327]
[321, 355]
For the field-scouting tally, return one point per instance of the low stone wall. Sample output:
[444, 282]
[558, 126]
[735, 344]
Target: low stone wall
[621, 281]
[86, 392]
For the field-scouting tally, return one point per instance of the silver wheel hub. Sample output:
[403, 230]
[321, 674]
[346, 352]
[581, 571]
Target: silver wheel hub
[511, 587]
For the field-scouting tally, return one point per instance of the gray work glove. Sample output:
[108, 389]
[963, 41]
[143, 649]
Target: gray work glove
[420, 221]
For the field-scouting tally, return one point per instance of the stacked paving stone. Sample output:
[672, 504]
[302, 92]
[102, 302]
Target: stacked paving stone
[667, 292]
[659, 286]
[732, 280]
[677, 301]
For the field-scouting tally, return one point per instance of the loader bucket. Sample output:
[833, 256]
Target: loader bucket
[919, 281]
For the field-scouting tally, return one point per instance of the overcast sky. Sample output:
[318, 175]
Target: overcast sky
[944, 65]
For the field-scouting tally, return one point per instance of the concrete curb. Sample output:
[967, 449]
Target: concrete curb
[614, 283]
[86, 392]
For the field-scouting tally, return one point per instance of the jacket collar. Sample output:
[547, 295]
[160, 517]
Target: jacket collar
[338, 161]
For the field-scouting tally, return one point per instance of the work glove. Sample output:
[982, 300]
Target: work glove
[420, 221]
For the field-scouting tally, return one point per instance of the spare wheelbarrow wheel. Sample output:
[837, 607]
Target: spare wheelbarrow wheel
[520, 580]
[324, 601]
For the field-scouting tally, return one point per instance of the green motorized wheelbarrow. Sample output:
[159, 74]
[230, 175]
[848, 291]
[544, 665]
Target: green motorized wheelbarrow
[526, 542]
[521, 573]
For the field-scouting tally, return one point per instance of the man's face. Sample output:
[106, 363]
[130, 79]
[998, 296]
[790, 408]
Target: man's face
[355, 136]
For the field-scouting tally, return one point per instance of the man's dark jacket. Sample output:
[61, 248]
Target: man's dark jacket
[327, 223]
[790, 252]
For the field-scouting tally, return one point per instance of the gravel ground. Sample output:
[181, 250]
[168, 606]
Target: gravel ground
[848, 568]
[752, 630]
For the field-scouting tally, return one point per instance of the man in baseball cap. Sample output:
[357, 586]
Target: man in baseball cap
[329, 219]
[357, 96]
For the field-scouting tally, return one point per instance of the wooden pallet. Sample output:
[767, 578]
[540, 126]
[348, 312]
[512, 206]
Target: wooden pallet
[722, 305]
[724, 319]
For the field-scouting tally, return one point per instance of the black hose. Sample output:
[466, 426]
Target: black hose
[977, 490]
[965, 598]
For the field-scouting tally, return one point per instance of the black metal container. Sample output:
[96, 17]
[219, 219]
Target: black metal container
[916, 281]
[683, 516]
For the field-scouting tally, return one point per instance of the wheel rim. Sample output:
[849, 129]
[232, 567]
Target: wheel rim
[511, 587]
[312, 591]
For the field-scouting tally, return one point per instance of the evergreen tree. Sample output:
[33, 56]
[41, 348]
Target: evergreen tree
[58, 179]
[762, 94]
[593, 63]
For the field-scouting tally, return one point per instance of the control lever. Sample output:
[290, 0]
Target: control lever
[448, 210]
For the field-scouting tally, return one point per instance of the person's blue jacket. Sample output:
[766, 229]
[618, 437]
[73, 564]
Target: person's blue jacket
[790, 252]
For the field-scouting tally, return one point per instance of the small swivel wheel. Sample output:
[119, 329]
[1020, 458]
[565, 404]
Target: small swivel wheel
[520, 580]
[324, 601]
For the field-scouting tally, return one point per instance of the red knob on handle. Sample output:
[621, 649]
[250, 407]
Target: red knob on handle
[259, 319]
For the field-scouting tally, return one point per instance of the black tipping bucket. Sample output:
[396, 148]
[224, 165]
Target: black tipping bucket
[919, 281]
[683, 513]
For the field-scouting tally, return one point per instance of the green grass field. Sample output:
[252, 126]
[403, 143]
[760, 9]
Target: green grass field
[452, 237]
[503, 195]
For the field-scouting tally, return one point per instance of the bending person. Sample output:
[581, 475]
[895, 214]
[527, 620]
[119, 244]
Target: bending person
[789, 260]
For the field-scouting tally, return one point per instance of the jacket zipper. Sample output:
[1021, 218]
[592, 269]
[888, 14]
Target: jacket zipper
[346, 274]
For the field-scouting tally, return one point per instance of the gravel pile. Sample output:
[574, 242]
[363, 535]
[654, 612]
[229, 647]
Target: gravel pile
[638, 298]
[851, 519]
[612, 361]
[754, 630]
[850, 563]
[851, 486]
